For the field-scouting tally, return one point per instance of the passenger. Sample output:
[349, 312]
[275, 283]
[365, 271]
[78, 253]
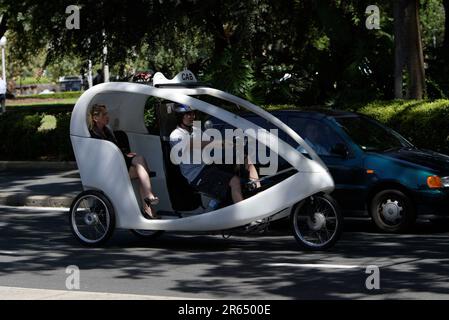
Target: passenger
[137, 166]
[211, 179]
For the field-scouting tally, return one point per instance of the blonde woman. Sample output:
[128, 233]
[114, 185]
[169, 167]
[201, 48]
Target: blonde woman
[137, 166]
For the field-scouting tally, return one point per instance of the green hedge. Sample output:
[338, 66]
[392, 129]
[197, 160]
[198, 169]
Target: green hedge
[22, 137]
[33, 80]
[39, 108]
[58, 95]
[22, 140]
[425, 123]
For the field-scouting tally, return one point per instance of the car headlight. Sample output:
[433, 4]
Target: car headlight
[436, 182]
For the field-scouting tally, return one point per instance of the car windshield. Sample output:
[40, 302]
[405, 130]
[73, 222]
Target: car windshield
[370, 135]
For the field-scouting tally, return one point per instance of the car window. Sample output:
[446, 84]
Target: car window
[261, 122]
[318, 135]
[370, 135]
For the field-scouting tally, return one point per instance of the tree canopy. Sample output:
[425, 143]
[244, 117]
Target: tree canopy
[290, 51]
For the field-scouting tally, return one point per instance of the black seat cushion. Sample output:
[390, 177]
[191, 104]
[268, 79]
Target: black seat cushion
[182, 196]
[123, 141]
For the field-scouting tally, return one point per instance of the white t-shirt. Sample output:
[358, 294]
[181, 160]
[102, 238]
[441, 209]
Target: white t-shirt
[2, 86]
[180, 140]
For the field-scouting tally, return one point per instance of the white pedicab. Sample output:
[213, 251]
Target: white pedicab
[110, 199]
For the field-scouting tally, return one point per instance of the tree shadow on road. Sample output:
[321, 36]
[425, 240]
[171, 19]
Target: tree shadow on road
[239, 267]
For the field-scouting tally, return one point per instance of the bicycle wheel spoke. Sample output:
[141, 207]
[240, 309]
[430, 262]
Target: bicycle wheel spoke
[319, 236]
[102, 226]
[87, 206]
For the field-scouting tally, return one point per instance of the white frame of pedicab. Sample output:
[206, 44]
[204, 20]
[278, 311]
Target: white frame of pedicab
[102, 167]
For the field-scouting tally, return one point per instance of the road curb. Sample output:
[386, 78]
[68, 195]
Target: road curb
[25, 200]
[13, 293]
[12, 165]
[24, 196]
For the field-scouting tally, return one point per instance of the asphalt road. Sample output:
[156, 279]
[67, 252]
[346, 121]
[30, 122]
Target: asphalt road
[41, 187]
[36, 247]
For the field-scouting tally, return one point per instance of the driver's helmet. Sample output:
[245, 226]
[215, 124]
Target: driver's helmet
[180, 111]
[183, 108]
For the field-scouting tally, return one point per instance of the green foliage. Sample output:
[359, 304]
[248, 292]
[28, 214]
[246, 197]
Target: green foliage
[245, 47]
[59, 144]
[58, 95]
[48, 123]
[23, 140]
[20, 139]
[232, 73]
[432, 23]
[150, 116]
[425, 123]
[45, 106]
[184, 47]
[26, 66]
[276, 107]
[33, 80]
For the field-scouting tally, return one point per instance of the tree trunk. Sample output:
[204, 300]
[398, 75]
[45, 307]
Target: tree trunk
[415, 63]
[408, 49]
[446, 24]
[399, 47]
[3, 25]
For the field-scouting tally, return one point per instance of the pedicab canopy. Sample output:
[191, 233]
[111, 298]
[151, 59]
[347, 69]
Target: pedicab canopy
[126, 103]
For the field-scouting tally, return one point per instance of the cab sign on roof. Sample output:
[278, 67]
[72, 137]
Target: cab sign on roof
[182, 77]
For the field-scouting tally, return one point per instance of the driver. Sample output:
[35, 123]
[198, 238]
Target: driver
[210, 179]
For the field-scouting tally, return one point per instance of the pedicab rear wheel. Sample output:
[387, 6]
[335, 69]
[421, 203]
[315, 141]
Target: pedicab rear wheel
[147, 234]
[92, 218]
[317, 223]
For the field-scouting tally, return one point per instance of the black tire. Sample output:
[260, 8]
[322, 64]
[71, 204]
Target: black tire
[393, 211]
[147, 234]
[318, 216]
[92, 218]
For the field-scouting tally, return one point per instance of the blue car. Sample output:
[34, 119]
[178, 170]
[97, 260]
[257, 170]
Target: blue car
[377, 172]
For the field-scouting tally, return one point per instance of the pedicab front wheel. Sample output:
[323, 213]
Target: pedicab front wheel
[317, 223]
[92, 218]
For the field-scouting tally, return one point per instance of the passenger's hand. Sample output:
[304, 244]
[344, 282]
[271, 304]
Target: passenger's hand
[131, 155]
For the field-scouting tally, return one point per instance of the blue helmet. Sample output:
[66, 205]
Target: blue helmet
[183, 108]
[180, 111]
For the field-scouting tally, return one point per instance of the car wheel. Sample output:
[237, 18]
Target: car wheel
[393, 211]
[92, 218]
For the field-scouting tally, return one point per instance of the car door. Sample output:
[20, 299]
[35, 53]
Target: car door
[344, 165]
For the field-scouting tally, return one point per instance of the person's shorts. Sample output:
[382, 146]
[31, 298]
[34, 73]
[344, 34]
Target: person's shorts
[213, 181]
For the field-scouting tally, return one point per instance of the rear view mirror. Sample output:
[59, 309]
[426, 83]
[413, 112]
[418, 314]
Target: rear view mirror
[341, 150]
